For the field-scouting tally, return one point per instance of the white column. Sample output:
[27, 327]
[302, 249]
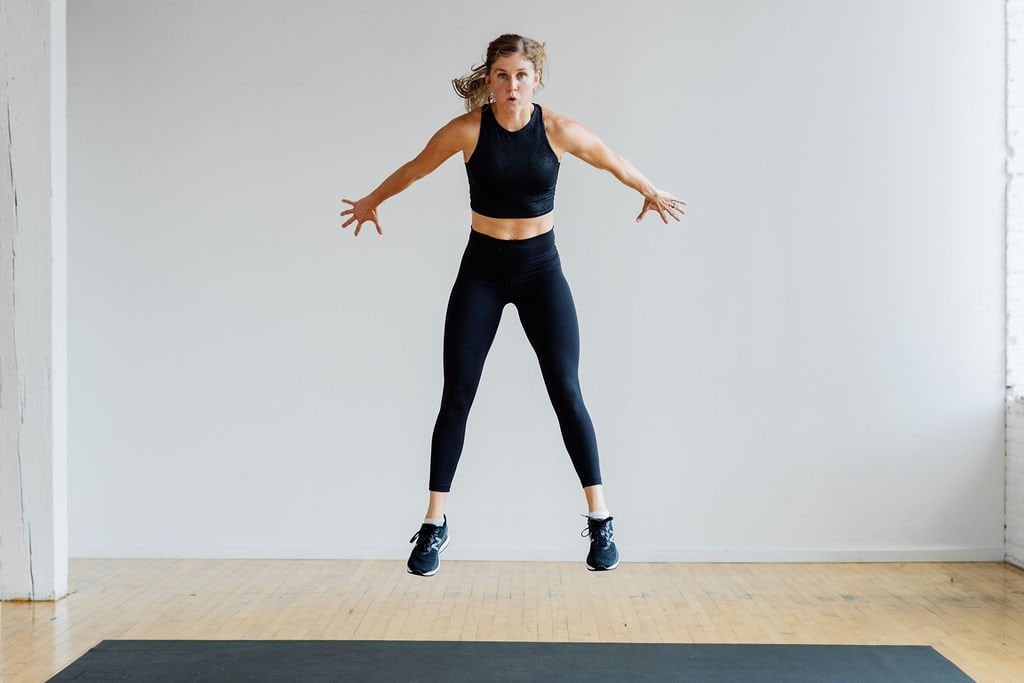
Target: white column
[1014, 543]
[33, 300]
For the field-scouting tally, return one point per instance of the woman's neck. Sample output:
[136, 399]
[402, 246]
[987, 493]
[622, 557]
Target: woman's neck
[514, 117]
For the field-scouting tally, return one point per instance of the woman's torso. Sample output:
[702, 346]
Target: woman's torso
[512, 228]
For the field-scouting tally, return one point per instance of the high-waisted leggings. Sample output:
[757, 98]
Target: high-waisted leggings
[527, 273]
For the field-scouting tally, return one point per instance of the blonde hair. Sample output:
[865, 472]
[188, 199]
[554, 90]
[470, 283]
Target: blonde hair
[473, 87]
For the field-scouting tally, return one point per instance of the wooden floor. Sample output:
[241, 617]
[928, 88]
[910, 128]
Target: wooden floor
[972, 613]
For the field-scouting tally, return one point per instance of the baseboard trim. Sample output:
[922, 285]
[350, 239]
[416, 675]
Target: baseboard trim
[562, 554]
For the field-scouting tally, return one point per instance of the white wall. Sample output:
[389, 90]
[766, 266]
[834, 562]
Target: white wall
[810, 366]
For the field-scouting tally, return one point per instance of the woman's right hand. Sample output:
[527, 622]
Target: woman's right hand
[362, 210]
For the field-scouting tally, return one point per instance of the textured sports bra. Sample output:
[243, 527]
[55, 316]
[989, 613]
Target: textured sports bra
[512, 174]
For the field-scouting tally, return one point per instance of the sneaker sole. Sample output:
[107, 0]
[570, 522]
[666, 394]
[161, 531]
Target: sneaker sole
[439, 551]
[603, 569]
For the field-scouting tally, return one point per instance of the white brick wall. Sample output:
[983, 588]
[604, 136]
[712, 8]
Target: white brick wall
[1015, 282]
[1015, 482]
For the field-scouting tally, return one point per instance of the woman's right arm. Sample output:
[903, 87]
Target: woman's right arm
[444, 143]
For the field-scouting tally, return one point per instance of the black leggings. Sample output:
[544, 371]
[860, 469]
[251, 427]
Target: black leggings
[527, 273]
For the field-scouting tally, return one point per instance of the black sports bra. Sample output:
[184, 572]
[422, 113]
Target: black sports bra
[512, 174]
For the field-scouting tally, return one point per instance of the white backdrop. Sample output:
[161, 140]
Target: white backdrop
[809, 366]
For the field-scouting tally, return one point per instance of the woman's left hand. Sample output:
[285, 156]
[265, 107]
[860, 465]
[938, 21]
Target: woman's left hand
[663, 203]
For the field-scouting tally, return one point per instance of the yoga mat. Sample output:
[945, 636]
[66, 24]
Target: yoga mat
[158, 661]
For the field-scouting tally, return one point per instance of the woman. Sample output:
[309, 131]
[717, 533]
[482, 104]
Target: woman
[512, 150]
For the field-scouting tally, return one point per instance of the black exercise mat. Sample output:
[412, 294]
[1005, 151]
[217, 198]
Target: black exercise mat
[157, 661]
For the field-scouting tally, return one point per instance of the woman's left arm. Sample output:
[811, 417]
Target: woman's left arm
[580, 141]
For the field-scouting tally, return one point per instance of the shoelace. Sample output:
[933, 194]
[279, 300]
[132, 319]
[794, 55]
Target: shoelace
[602, 532]
[429, 541]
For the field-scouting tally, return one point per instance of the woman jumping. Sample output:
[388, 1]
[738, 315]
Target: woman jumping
[512, 151]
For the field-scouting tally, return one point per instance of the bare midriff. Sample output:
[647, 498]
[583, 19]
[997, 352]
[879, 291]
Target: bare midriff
[513, 228]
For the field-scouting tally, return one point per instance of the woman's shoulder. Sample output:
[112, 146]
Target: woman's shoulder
[463, 124]
[460, 132]
[470, 120]
[556, 123]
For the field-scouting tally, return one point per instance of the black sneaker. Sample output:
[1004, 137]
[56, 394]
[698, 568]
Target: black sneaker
[603, 554]
[430, 541]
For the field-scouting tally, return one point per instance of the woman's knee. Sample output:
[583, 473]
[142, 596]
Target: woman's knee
[565, 391]
[456, 402]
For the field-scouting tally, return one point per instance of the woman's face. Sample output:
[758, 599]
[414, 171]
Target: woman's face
[512, 80]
